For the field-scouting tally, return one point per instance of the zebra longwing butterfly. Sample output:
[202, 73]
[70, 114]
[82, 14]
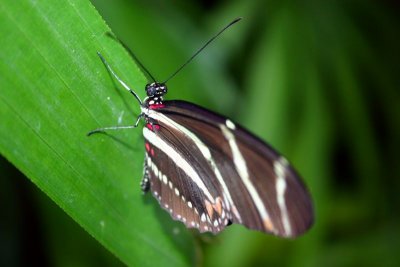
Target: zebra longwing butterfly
[209, 172]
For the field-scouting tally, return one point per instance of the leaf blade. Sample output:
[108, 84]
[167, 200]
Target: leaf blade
[55, 91]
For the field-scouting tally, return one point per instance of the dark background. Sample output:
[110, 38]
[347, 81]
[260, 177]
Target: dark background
[318, 79]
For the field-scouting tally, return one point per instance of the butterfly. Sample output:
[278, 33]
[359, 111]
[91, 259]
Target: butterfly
[209, 172]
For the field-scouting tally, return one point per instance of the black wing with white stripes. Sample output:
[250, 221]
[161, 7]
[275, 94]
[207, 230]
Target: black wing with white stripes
[209, 172]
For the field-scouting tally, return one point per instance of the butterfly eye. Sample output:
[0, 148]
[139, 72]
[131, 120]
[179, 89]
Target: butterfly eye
[151, 89]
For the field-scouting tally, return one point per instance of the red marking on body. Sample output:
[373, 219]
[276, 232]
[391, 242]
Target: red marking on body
[156, 106]
[147, 147]
[152, 152]
[153, 127]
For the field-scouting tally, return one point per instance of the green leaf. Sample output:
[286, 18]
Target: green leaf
[54, 89]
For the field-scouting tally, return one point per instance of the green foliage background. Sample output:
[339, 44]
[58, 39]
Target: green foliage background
[318, 79]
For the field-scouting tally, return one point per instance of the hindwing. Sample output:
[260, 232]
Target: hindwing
[176, 175]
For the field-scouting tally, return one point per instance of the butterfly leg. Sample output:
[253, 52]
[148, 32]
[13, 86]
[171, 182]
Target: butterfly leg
[102, 130]
[145, 183]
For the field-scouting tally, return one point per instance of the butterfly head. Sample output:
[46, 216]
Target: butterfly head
[154, 90]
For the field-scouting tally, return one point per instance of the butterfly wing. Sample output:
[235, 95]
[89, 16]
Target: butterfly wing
[226, 173]
[176, 175]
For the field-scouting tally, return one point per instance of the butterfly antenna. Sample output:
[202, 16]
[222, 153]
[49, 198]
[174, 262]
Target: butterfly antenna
[201, 48]
[132, 55]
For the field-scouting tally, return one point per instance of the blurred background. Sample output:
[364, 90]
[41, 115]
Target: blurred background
[318, 79]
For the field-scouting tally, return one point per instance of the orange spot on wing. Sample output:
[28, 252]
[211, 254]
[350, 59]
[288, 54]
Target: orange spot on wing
[210, 209]
[218, 205]
[268, 225]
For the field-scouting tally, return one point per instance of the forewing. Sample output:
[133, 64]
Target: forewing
[256, 185]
